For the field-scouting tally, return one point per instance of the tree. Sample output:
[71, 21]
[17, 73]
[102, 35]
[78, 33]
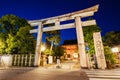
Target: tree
[26, 42]
[109, 56]
[53, 37]
[14, 32]
[112, 38]
[58, 51]
[11, 44]
[88, 36]
[11, 24]
[2, 43]
[48, 52]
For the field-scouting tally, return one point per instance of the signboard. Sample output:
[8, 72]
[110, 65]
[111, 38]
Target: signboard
[50, 59]
[99, 50]
[87, 48]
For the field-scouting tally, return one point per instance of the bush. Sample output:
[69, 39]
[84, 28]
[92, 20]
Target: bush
[109, 56]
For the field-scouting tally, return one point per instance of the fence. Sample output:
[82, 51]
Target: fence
[23, 60]
[26, 60]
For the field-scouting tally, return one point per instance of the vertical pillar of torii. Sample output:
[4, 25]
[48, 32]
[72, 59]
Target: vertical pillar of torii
[38, 46]
[80, 40]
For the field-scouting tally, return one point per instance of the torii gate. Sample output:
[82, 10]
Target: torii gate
[56, 20]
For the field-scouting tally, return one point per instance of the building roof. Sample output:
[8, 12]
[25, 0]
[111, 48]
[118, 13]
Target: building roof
[70, 42]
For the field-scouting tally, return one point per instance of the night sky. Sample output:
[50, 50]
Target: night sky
[107, 17]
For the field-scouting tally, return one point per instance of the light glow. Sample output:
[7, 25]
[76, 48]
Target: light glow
[42, 48]
[115, 49]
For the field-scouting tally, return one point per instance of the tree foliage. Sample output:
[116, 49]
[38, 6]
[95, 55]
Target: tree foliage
[112, 38]
[109, 56]
[88, 36]
[59, 51]
[2, 43]
[14, 35]
[52, 37]
[49, 52]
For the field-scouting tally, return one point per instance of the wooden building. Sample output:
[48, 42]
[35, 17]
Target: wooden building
[71, 49]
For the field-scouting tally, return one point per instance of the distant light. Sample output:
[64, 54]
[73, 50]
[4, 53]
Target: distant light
[42, 48]
[115, 49]
[75, 55]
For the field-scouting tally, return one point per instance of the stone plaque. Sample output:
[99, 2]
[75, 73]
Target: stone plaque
[99, 50]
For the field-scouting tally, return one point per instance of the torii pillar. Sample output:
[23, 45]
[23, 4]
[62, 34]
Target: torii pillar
[38, 46]
[81, 45]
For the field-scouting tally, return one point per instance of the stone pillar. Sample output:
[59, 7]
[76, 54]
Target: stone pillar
[80, 39]
[38, 46]
[99, 50]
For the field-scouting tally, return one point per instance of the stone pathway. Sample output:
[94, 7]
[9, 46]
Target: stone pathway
[65, 65]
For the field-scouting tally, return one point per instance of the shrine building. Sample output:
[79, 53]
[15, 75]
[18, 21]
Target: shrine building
[71, 49]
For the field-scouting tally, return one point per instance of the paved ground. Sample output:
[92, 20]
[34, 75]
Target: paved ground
[66, 72]
[41, 74]
[113, 74]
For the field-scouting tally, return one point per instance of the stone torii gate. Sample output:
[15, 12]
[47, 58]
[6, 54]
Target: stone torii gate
[56, 20]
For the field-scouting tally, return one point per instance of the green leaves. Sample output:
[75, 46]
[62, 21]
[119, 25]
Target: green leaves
[11, 44]
[26, 42]
[88, 36]
[2, 46]
[53, 36]
[48, 52]
[14, 35]
[112, 38]
[59, 51]
[109, 56]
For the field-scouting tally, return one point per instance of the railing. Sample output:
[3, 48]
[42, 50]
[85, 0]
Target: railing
[26, 60]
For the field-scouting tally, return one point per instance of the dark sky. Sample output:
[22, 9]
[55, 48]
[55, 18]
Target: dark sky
[108, 16]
